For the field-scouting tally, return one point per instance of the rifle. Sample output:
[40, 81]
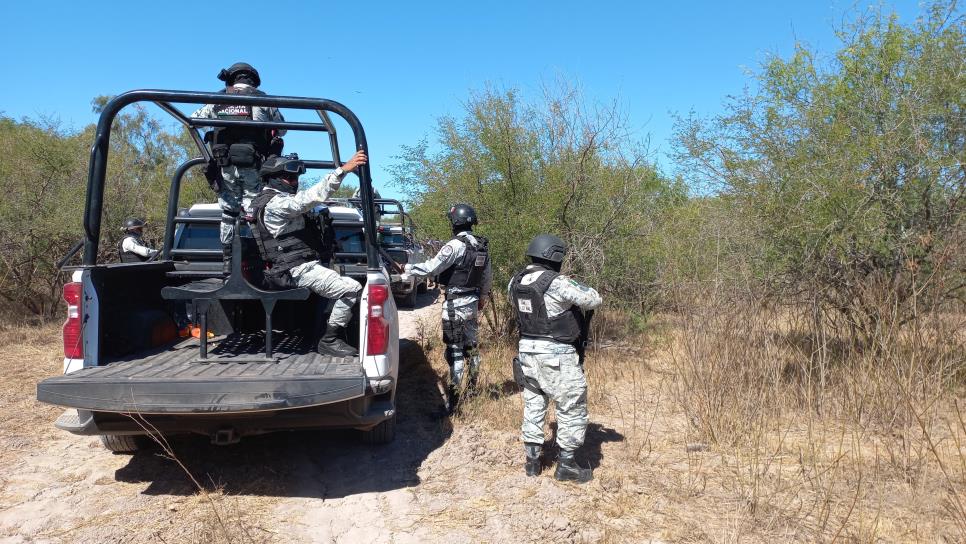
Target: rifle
[584, 336]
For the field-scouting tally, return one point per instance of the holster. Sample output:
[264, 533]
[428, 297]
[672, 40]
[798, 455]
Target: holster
[219, 153]
[279, 281]
[453, 330]
[213, 175]
[518, 372]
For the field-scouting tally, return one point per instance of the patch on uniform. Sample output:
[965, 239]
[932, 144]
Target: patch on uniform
[446, 251]
[480, 260]
[525, 305]
[233, 111]
[574, 283]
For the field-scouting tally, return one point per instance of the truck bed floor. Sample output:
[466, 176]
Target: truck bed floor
[236, 378]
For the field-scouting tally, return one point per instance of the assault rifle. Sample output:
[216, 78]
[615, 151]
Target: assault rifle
[584, 336]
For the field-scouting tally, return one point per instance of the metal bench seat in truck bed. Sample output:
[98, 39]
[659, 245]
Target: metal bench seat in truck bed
[234, 379]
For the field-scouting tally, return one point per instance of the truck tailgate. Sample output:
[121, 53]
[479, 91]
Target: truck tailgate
[173, 381]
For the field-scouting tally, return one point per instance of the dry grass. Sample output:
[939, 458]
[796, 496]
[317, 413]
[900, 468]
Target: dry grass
[738, 423]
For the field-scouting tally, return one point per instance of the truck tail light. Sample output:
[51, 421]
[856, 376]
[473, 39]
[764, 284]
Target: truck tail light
[378, 334]
[73, 341]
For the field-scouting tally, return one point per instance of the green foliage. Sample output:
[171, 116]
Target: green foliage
[44, 173]
[847, 180]
[558, 167]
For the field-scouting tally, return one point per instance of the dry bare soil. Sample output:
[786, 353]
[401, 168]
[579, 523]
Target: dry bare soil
[449, 479]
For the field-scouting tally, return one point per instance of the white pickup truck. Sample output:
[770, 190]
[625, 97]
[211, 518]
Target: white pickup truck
[127, 372]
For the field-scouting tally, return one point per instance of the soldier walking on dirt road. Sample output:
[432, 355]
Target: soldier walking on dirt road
[548, 307]
[462, 266]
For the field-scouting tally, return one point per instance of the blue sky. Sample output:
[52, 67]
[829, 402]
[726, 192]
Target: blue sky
[401, 65]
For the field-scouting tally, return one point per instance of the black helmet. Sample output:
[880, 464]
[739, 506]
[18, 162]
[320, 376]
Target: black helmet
[462, 215]
[547, 247]
[229, 74]
[275, 166]
[282, 172]
[132, 223]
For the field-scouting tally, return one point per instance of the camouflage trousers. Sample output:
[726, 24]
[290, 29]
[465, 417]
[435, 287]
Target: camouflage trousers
[460, 336]
[327, 283]
[556, 376]
[239, 187]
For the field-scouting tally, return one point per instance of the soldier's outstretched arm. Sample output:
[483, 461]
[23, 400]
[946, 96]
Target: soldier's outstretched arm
[303, 201]
[575, 293]
[445, 258]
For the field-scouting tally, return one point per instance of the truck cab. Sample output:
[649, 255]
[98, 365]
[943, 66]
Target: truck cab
[127, 372]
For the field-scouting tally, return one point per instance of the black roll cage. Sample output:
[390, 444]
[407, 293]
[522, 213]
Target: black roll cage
[97, 170]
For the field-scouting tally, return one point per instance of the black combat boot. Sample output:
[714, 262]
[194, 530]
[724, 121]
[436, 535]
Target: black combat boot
[569, 471]
[452, 399]
[331, 344]
[533, 464]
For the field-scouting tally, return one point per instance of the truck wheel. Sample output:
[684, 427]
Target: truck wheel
[121, 443]
[410, 300]
[422, 287]
[383, 433]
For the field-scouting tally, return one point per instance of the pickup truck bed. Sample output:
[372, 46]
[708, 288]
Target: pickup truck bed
[235, 378]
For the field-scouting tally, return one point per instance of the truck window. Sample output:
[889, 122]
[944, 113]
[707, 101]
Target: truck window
[350, 240]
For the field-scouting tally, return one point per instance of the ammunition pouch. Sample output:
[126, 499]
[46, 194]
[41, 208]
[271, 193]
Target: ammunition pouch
[242, 155]
[219, 153]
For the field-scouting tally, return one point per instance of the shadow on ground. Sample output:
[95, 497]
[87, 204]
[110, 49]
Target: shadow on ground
[422, 300]
[591, 453]
[319, 464]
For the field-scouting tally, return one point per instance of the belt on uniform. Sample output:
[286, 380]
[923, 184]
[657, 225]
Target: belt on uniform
[472, 293]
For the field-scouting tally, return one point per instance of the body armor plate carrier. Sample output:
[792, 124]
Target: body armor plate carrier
[291, 249]
[468, 272]
[129, 256]
[531, 310]
[240, 146]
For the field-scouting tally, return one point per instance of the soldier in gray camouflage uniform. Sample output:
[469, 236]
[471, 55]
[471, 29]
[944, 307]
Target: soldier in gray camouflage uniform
[548, 306]
[289, 238]
[462, 266]
[238, 151]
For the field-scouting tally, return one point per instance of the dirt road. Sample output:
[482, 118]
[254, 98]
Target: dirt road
[447, 480]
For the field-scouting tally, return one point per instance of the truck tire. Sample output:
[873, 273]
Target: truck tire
[383, 433]
[121, 443]
[422, 287]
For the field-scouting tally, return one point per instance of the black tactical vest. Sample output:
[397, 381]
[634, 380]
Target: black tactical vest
[291, 249]
[222, 138]
[129, 256]
[531, 311]
[468, 272]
